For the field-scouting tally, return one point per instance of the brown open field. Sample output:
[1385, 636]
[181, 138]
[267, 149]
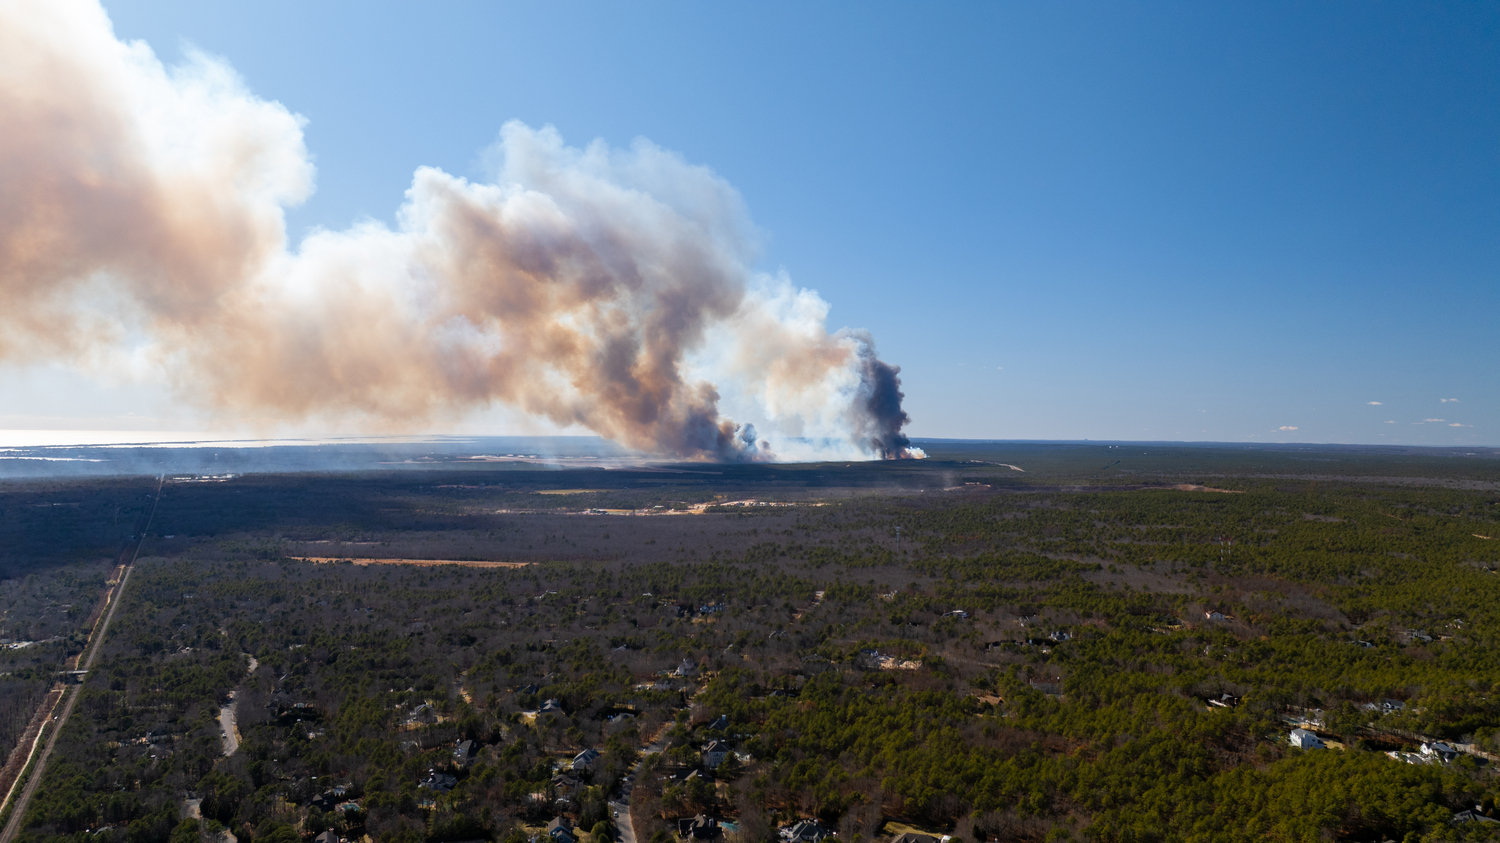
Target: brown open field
[469, 563]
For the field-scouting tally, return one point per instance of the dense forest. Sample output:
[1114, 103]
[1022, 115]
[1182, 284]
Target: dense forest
[1092, 648]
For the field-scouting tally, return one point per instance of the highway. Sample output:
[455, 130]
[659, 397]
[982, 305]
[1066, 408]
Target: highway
[91, 654]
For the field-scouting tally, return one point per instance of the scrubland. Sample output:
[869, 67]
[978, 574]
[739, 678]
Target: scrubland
[1080, 650]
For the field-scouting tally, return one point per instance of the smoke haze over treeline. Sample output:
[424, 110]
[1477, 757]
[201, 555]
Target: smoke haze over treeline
[142, 229]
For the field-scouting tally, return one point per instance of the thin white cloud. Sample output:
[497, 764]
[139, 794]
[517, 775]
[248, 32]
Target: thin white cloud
[1392, 421]
[1456, 424]
[1433, 420]
[1287, 427]
[1447, 400]
[1373, 403]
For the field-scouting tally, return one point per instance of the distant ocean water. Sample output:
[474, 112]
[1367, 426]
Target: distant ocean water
[40, 453]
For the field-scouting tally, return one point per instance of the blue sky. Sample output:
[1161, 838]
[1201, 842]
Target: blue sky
[1222, 222]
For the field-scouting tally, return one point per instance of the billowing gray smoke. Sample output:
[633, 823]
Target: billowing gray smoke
[141, 213]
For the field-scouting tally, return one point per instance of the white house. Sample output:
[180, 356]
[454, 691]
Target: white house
[713, 754]
[1439, 750]
[1303, 739]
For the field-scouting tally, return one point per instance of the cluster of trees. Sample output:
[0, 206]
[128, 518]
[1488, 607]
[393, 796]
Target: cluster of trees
[1066, 700]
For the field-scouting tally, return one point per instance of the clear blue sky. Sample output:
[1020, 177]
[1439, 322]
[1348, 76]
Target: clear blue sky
[1063, 220]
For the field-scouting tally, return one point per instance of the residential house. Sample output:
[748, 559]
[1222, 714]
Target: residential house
[551, 705]
[713, 754]
[687, 668]
[719, 724]
[1408, 757]
[561, 831]
[806, 831]
[912, 837]
[1303, 739]
[1471, 815]
[327, 837]
[565, 785]
[585, 761]
[699, 828]
[424, 715]
[465, 751]
[1439, 750]
[440, 782]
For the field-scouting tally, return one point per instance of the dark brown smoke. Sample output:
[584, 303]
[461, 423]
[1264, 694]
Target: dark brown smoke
[881, 423]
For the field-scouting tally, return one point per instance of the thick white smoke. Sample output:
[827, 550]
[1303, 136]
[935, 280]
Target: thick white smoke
[143, 206]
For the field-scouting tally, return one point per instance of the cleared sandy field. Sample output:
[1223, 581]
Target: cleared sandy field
[465, 562]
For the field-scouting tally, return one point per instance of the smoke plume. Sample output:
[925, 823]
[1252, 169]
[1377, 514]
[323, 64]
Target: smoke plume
[141, 213]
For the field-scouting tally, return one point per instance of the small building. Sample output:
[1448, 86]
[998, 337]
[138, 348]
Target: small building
[327, 837]
[687, 668]
[700, 827]
[423, 714]
[1215, 616]
[1408, 757]
[913, 837]
[1303, 739]
[551, 706]
[565, 785]
[805, 831]
[1224, 701]
[465, 751]
[1438, 750]
[719, 724]
[713, 754]
[440, 782]
[561, 831]
[585, 760]
[956, 613]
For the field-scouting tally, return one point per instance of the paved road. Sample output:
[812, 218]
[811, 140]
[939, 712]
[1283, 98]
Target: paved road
[229, 712]
[91, 654]
[226, 722]
[620, 805]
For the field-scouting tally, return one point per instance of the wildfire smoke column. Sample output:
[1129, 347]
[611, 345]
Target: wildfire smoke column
[142, 218]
